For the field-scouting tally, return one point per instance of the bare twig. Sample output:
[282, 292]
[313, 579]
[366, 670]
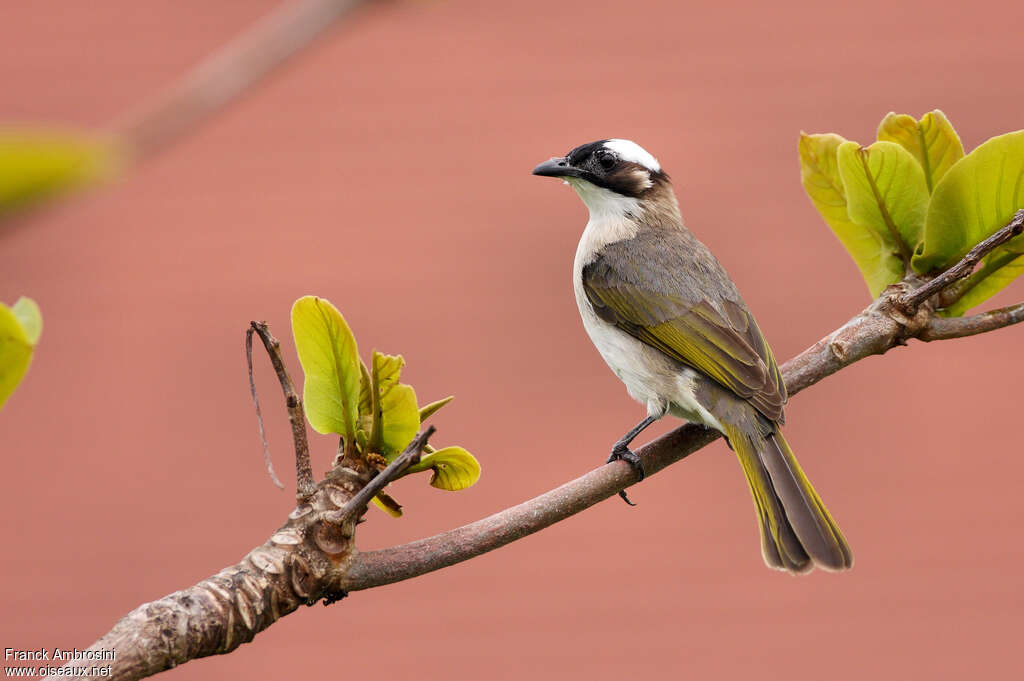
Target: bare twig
[259, 412]
[943, 328]
[228, 73]
[296, 415]
[411, 455]
[966, 265]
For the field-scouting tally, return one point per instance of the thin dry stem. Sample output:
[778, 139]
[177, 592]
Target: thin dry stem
[305, 485]
[259, 412]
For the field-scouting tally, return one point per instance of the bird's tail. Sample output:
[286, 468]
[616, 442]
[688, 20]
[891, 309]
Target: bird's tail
[797, 532]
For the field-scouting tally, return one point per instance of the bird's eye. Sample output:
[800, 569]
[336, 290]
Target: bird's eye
[607, 161]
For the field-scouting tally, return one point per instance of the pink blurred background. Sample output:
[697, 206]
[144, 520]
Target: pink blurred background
[388, 169]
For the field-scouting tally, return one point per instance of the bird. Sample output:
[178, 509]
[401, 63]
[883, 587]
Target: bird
[671, 324]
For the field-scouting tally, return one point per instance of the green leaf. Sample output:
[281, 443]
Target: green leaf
[365, 409]
[365, 383]
[875, 254]
[978, 195]
[386, 503]
[388, 369]
[429, 410]
[399, 416]
[330, 359]
[36, 165]
[362, 439]
[454, 468]
[398, 420]
[401, 419]
[885, 192]
[20, 328]
[932, 141]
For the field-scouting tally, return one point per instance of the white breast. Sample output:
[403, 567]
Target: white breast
[651, 377]
[636, 364]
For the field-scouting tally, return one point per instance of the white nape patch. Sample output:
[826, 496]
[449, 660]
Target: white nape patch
[604, 204]
[628, 150]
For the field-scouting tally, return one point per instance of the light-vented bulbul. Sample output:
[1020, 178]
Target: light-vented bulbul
[670, 323]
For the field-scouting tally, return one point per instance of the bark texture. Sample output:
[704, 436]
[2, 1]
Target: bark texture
[303, 562]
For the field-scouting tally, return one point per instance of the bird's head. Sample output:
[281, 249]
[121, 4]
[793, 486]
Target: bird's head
[609, 172]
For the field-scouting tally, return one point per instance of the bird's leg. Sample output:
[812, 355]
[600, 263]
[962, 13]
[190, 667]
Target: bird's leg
[622, 451]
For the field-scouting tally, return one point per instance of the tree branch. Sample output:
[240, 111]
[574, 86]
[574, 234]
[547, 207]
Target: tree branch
[301, 564]
[872, 332]
[882, 326]
[376, 568]
[313, 555]
[943, 328]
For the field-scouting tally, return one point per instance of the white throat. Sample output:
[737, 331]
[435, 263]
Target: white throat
[604, 204]
[613, 217]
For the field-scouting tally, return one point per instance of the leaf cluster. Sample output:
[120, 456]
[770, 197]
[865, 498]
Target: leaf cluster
[913, 203]
[376, 415]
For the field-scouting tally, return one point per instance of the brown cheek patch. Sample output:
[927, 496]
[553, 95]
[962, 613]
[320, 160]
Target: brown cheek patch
[631, 180]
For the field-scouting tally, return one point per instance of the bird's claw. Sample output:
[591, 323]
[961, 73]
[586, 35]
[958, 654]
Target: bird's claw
[623, 452]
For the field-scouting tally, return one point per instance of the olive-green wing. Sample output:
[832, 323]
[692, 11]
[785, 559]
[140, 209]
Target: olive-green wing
[686, 306]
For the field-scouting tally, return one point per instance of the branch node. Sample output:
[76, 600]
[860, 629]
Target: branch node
[357, 504]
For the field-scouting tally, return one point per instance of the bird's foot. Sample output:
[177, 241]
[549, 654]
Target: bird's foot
[623, 452]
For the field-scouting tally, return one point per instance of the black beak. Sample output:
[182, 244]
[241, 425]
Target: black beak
[556, 167]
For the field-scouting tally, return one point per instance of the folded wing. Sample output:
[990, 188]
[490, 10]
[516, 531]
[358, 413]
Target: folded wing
[687, 307]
